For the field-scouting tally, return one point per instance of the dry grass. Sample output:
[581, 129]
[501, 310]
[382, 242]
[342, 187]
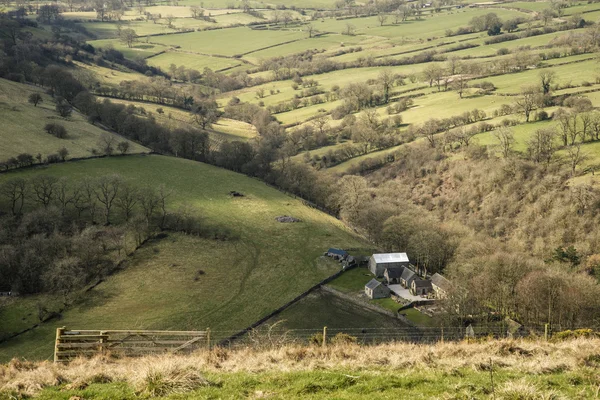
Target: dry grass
[164, 374]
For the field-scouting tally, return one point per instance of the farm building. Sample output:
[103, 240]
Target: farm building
[420, 287]
[376, 290]
[379, 262]
[440, 285]
[407, 277]
[393, 274]
[337, 253]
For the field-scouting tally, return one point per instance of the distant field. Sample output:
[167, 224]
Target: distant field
[140, 49]
[229, 41]
[243, 279]
[429, 26]
[108, 30]
[193, 61]
[23, 126]
[224, 129]
[575, 73]
[325, 42]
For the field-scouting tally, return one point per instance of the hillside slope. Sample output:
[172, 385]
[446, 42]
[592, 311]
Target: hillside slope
[185, 282]
[501, 370]
[23, 126]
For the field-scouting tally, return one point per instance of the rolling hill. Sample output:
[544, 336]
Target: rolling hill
[185, 282]
[23, 126]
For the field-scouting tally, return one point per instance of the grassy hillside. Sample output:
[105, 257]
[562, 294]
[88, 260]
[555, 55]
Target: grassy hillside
[23, 126]
[183, 282]
[502, 370]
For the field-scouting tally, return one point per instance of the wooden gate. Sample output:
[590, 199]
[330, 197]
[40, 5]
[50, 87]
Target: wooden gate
[76, 343]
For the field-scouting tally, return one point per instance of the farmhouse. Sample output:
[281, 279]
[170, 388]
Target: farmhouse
[393, 274]
[420, 287]
[376, 290]
[379, 262]
[407, 277]
[440, 285]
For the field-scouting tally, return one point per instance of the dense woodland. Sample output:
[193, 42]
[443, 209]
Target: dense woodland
[515, 231]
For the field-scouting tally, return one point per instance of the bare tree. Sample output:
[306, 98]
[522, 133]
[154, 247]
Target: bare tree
[381, 17]
[149, 201]
[386, 80]
[576, 156]
[460, 84]
[107, 144]
[64, 194]
[14, 191]
[163, 195]
[506, 140]
[44, 187]
[528, 101]
[546, 79]
[350, 29]
[126, 199]
[106, 190]
[310, 29]
[541, 147]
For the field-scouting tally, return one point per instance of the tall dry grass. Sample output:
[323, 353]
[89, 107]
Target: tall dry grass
[163, 374]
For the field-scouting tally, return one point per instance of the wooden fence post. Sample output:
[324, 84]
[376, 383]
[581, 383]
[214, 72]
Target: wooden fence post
[102, 333]
[208, 338]
[546, 332]
[442, 335]
[324, 336]
[59, 332]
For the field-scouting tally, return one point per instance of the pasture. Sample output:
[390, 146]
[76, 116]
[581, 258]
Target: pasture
[229, 42]
[23, 126]
[264, 265]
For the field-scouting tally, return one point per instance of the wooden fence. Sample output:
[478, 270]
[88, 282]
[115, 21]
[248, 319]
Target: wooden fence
[77, 343]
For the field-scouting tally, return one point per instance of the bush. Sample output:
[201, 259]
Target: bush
[343, 338]
[542, 116]
[56, 130]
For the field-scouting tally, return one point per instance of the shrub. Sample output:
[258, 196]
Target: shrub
[56, 130]
[63, 108]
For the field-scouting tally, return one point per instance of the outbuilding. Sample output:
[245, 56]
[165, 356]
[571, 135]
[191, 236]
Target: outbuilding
[337, 253]
[376, 290]
[379, 262]
[407, 277]
[441, 286]
[420, 287]
[392, 275]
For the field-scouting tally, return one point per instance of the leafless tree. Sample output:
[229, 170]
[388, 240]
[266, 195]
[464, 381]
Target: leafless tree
[506, 140]
[14, 191]
[106, 190]
[44, 187]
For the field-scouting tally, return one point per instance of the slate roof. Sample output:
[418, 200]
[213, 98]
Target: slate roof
[339, 252]
[373, 283]
[394, 273]
[422, 283]
[407, 274]
[441, 282]
[390, 258]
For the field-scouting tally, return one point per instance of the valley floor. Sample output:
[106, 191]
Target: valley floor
[483, 370]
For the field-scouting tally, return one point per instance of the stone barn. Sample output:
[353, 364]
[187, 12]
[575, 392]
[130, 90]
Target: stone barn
[379, 262]
[407, 277]
[420, 287]
[392, 275]
[440, 285]
[376, 290]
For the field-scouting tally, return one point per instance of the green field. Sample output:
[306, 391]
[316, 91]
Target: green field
[192, 61]
[321, 309]
[140, 49]
[229, 42]
[243, 279]
[23, 126]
